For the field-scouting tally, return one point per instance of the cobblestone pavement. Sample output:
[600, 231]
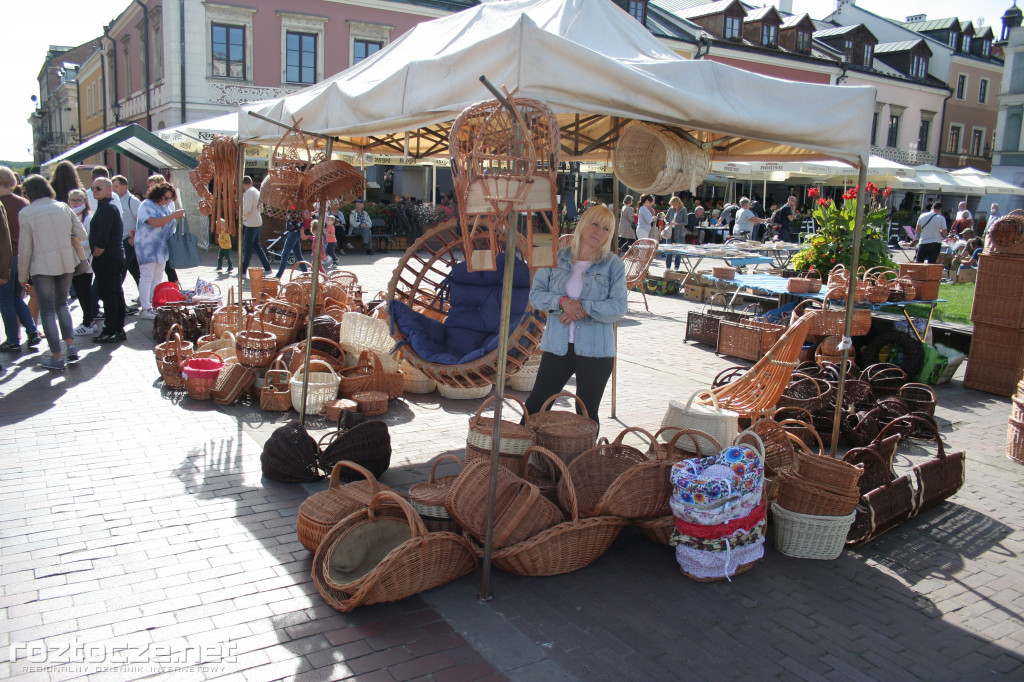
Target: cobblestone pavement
[137, 519]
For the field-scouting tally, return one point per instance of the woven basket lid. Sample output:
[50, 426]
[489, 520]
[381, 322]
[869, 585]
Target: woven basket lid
[432, 493]
[328, 506]
[370, 397]
[509, 430]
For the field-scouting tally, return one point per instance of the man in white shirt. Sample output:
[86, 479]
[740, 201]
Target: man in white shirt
[993, 216]
[97, 172]
[931, 230]
[746, 219]
[252, 222]
[128, 204]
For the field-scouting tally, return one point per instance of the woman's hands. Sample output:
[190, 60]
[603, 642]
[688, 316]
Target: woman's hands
[572, 311]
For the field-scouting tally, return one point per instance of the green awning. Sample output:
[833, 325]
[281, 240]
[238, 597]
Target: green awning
[133, 141]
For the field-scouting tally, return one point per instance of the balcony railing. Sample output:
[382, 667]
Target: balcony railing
[907, 157]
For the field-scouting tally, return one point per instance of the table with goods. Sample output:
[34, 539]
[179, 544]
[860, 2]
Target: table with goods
[692, 255]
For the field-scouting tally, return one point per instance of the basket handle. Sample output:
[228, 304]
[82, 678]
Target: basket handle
[291, 273]
[692, 433]
[346, 464]
[312, 360]
[941, 454]
[231, 296]
[810, 427]
[797, 308]
[712, 302]
[483, 406]
[746, 435]
[203, 355]
[778, 409]
[170, 331]
[702, 392]
[565, 394]
[799, 377]
[924, 387]
[438, 460]
[653, 448]
[563, 470]
[268, 386]
[411, 515]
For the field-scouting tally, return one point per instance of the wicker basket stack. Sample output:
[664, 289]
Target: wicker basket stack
[816, 505]
[924, 277]
[997, 349]
[1015, 427]
[719, 507]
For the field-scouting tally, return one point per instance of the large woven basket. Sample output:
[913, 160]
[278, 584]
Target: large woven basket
[331, 179]
[427, 498]
[808, 536]
[170, 355]
[362, 331]
[614, 479]
[255, 348]
[223, 346]
[321, 386]
[276, 395]
[200, 373]
[320, 511]
[289, 455]
[463, 393]
[363, 442]
[651, 158]
[359, 563]
[566, 547]
[567, 434]
[810, 497]
[515, 439]
[226, 317]
[720, 423]
[356, 379]
[233, 381]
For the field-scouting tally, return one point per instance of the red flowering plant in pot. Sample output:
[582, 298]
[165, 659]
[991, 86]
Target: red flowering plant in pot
[832, 244]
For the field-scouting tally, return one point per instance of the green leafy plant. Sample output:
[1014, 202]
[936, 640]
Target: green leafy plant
[832, 244]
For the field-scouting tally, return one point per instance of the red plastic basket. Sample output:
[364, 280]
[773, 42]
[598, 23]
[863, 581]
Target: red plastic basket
[165, 293]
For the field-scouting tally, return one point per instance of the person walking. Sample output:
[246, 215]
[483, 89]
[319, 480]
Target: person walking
[360, 220]
[331, 239]
[627, 234]
[931, 230]
[584, 295]
[645, 217]
[13, 310]
[46, 253]
[6, 254]
[252, 222]
[293, 227]
[82, 280]
[156, 223]
[225, 245]
[106, 233]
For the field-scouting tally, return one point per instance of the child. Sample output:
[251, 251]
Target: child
[331, 239]
[224, 242]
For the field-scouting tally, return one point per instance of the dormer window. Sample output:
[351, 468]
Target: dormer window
[868, 55]
[769, 35]
[954, 38]
[638, 9]
[803, 41]
[965, 45]
[986, 48]
[848, 49]
[918, 66]
[732, 28]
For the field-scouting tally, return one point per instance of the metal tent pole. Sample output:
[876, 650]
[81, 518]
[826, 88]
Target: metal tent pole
[846, 345]
[615, 327]
[239, 228]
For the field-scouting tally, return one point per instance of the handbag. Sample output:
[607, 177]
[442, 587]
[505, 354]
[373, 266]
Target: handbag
[182, 247]
[667, 232]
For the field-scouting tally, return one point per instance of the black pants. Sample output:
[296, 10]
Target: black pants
[83, 287]
[131, 263]
[928, 253]
[108, 283]
[554, 371]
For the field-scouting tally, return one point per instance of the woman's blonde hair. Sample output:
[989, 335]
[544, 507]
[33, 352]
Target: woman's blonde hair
[675, 202]
[76, 194]
[599, 215]
[7, 178]
[156, 178]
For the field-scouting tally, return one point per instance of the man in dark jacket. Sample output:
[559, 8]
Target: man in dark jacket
[105, 241]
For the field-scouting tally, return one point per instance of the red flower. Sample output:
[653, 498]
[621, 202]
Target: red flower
[823, 202]
[813, 192]
[887, 191]
[872, 189]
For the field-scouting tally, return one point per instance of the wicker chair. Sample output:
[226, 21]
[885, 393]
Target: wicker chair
[755, 394]
[419, 281]
[637, 261]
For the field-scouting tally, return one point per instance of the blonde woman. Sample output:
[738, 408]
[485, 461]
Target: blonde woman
[584, 294]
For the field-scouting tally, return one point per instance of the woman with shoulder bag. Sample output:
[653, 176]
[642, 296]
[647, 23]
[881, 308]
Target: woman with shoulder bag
[155, 225]
[584, 294]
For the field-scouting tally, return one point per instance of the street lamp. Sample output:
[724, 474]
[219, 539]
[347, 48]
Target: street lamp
[115, 109]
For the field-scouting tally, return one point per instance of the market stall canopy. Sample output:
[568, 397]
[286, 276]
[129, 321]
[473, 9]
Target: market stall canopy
[991, 184]
[947, 182]
[769, 171]
[879, 168]
[593, 64]
[133, 141]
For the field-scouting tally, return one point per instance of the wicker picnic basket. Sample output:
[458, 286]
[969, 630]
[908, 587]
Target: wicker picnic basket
[276, 395]
[566, 547]
[200, 372]
[809, 536]
[427, 498]
[255, 348]
[371, 403]
[233, 381]
[321, 386]
[281, 319]
[567, 434]
[747, 339]
[720, 423]
[321, 511]
[170, 355]
[367, 444]
[289, 455]
[876, 281]
[515, 440]
[356, 379]
[613, 479]
[333, 409]
[225, 318]
[519, 510]
[370, 558]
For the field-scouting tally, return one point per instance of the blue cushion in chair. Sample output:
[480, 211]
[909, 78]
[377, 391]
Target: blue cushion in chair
[474, 317]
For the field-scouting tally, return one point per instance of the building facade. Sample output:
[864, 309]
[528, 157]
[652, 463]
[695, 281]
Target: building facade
[56, 126]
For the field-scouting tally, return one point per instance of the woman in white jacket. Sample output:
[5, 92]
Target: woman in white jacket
[47, 255]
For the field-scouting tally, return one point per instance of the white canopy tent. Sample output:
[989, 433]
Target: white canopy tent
[991, 184]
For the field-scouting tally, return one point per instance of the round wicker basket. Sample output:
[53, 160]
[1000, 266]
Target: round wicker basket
[332, 180]
[806, 536]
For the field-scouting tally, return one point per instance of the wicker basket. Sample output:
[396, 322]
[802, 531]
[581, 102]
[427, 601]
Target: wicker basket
[371, 403]
[567, 434]
[281, 319]
[428, 498]
[525, 378]
[256, 283]
[170, 355]
[520, 512]
[747, 339]
[885, 379]
[832, 322]
[348, 574]
[515, 440]
[919, 397]
[232, 382]
[697, 440]
[366, 443]
[415, 381]
[566, 547]
[723, 272]
[321, 511]
[807, 393]
[200, 373]
[1015, 440]
[721, 424]
[223, 346]
[809, 497]
[276, 395]
[226, 317]
[356, 379]
[331, 179]
[361, 331]
[460, 393]
[806, 536]
[657, 530]
[332, 409]
[255, 348]
[321, 386]
[798, 285]
[826, 470]
[703, 326]
[289, 455]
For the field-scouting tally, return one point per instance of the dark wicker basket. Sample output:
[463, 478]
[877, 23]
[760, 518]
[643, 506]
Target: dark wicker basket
[885, 378]
[290, 455]
[367, 444]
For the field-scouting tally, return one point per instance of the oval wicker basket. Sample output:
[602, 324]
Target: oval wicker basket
[170, 355]
[332, 179]
[427, 498]
[567, 434]
[321, 386]
[200, 373]
[255, 348]
[515, 439]
[807, 536]
[321, 511]
[371, 403]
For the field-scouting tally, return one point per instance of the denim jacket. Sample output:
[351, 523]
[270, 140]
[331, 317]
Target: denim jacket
[603, 298]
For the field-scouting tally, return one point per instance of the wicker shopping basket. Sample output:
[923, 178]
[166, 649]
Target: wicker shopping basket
[320, 511]
[515, 439]
[170, 355]
[276, 395]
[369, 558]
[428, 497]
[567, 434]
[255, 348]
[200, 373]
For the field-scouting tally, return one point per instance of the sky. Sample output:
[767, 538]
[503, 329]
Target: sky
[29, 28]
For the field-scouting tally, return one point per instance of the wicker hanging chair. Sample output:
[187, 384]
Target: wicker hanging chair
[419, 282]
